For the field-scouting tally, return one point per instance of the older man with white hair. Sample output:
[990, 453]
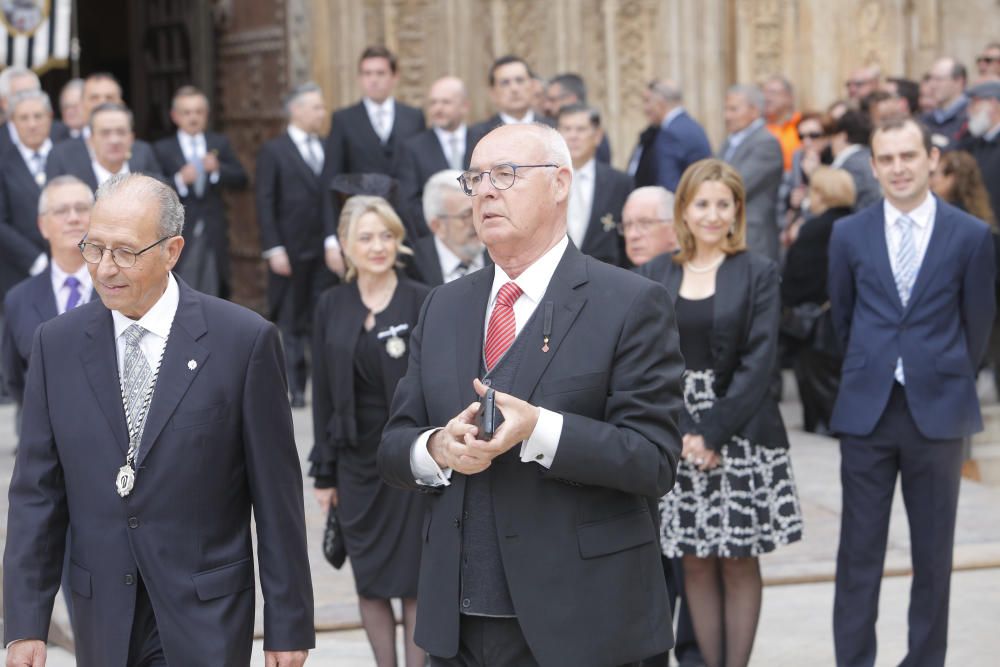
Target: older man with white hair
[756, 154]
[15, 80]
[648, 224]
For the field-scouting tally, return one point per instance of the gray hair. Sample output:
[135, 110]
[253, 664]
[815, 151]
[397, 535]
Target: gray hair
[666, 90]
[59, 182]
[72, 84]
[11, 73]
[298, 91]
[752, 94]
[664, 199]
[556, 149]
[434, 190]
[27, 96]
[143, 187]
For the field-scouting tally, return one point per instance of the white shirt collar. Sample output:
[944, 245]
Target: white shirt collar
[103, 174]
[298, 135]
[82, 274]
[372, 107]
[157, 319]
[534, 280]
[671, 115]
[587, 171]
[922, 215]
[510, 120]
[444, 135]
[448, 260]
[736, 138]
[187, 140]
[26, 152]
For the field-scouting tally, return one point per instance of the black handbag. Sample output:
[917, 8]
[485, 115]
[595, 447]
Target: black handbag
[811, 325]
[334, 548]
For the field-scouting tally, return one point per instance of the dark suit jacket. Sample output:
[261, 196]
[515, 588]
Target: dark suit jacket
[20, 241]
[761, 165]
[744, 345]
[423, 157]
[210, 207]
[217, 443]
[941, 334]
[73, 157]
[668, 152]
[602, 241]
[585, 531]
[425, 265]
[27, 305]
[57, 133]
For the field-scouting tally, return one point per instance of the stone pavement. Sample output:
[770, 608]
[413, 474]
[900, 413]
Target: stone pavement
[795, 627]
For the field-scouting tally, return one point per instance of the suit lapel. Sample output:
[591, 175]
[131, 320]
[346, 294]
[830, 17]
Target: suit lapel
[470, 320]
[731, 284]
[311, 179]
[178, 154]
[937, 250]
[879, 250]
[566, 305]
[44, 298]
[599, 204]
[176, 373]
[100, 361]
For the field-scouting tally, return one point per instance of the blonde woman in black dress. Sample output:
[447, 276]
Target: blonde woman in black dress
[360, 351]
[735, 496]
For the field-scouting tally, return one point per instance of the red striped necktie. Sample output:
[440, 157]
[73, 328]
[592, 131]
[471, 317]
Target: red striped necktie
[502, 327]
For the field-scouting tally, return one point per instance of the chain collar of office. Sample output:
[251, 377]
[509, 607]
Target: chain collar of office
[125, 480]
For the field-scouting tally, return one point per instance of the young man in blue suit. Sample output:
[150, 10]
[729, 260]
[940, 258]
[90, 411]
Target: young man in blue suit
[911, 290]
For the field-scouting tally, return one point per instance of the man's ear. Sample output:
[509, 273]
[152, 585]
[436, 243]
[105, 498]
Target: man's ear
[174, 247]
[563, 182]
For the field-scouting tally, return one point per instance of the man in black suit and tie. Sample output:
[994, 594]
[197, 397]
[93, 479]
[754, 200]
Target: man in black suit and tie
[446, 144]
[454, 249]
[63, 216]
[599, 191]
[71, 107]
[15, 80]
[570, 88]
[541, 543]
[152, 427]
[202, 164]
[511, 90]
[290, 189]
[110, 149]
[912, 297]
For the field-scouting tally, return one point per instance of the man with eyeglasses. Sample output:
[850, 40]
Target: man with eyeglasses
[862, 82]
[947, 121]
[648, 224]
[569, 88]
[599, 191]
[512, 93]
[154, 423]
[988, 62]
[453, 250]
[541, 543]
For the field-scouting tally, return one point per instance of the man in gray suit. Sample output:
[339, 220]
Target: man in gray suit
[849, 144]
[756, 154]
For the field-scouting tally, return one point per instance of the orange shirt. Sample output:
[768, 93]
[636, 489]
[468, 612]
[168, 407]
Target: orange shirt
[787, 134]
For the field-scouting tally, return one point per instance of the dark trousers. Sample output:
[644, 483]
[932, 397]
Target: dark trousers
[489, 642]
[292, 302]
[930, 472]
[685, 645]
[818, 376]
[144, 648]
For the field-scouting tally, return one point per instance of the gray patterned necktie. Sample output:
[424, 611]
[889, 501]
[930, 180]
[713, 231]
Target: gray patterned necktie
[906, 259]
[135, 382]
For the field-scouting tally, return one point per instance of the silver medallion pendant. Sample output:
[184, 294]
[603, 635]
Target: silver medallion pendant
[40, 179]
[125, 481]
[395, 347]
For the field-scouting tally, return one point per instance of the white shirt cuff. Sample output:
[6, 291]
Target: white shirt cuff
[331, 242]
[39, 264]
[425, 470]
[182, 189]
[213, 177]
[543, 443]
[271, 252]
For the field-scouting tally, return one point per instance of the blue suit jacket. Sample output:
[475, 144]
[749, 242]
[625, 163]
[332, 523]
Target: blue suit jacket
[27, 304]
[682, 143]
[941, 334]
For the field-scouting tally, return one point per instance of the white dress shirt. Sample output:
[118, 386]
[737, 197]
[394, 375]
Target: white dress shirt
[453, 145]
[581, 202]
[103, 174]
[510, 120]
[923, 226]
[450, 262]
[543, 443]
[305, 142]
[381, 116]
[194, 149]
[28, 155]
[61, 291]
[157, 322]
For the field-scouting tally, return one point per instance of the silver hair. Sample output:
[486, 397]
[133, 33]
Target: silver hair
[556, 150]
[58, 182]
[27, 96]
[667, 90]
[140, 186]
[298, 91]
[752, 94]
[10, 73]
[664, 199]
[72, 84]
[434, 190]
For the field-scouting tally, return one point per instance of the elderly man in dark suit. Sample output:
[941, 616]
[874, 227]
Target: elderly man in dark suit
[756, 154]
[911, 294]
[454, 249]
[110, 149]
[557, 509]
[122, 396]
[446, 144]
[15, 80]
[202, 164]
[290, 191]
[599, 191]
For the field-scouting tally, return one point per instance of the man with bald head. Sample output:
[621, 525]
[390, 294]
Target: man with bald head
[947, 121]
[555, 506]
[446, 144]
[122, 398]
[648, 224]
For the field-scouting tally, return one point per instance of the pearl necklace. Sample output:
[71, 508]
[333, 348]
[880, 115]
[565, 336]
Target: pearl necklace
[705, 269]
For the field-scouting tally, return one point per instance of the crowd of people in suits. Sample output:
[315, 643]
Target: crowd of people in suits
[856, 245]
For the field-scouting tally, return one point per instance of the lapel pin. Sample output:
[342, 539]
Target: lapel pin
[608, 222]
[192, 365]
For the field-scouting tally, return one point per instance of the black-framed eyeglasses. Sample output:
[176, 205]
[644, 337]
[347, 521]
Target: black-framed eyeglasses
[642, 225]
[502, 176]
[123, 258]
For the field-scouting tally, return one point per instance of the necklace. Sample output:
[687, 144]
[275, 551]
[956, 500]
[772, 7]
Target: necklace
[705, 269]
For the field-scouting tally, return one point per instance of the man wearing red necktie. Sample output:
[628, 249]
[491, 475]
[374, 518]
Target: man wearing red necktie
[540, 542]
